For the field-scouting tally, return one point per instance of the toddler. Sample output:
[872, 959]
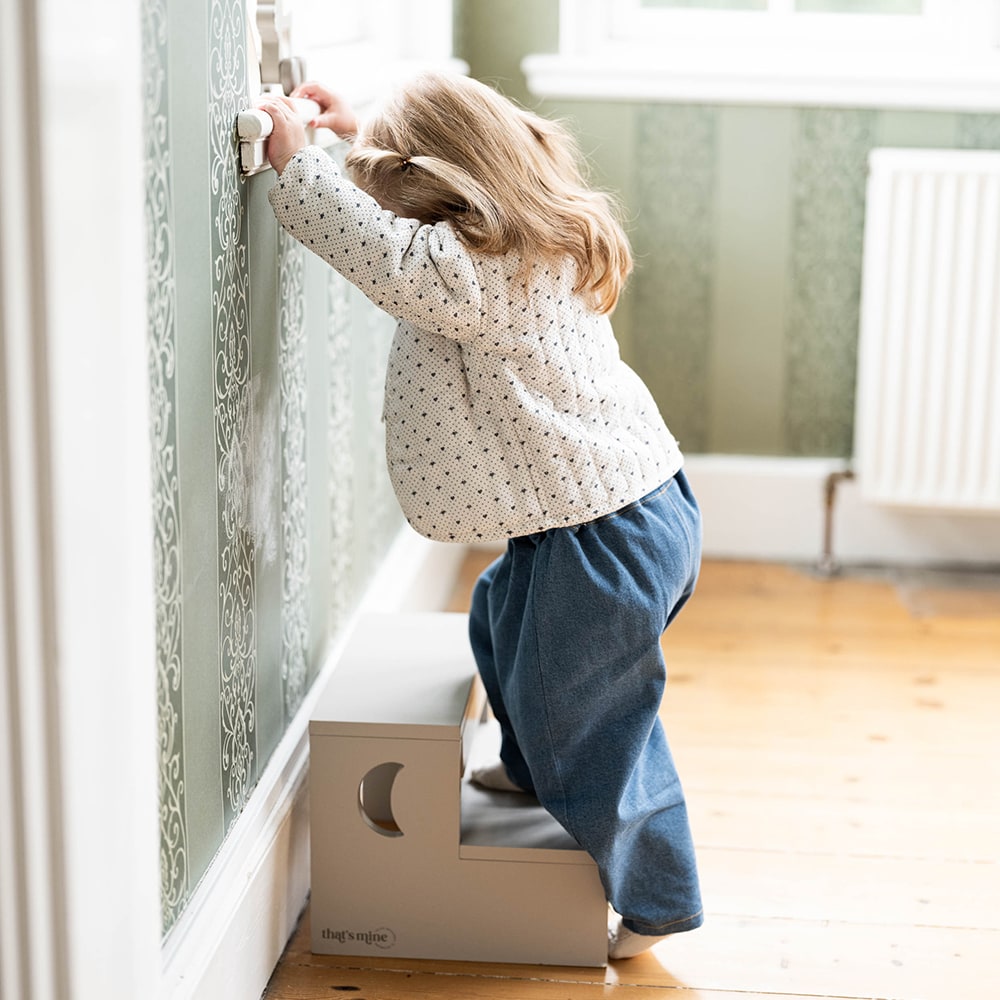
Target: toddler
[510, 416]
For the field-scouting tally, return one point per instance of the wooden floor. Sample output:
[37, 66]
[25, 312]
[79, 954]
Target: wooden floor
[839, 742]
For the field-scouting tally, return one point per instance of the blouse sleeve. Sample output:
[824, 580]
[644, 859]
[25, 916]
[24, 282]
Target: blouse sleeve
[418, 273]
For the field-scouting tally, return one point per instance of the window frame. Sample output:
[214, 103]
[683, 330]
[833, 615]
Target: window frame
[947, 58]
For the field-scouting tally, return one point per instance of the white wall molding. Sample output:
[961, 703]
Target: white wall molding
[34, 956]
[417, 575]
[724, 76]
[238, 920]
[78, 779]
[774, 509]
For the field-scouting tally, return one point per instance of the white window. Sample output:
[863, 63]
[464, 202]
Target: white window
[359, 48]
[935, 54]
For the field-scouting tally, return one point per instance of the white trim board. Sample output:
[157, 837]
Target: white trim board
[232, 933]
[773, 509]
[709, 76]
[78, 769]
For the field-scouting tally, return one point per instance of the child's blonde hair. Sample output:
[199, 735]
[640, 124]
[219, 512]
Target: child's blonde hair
[446, 147]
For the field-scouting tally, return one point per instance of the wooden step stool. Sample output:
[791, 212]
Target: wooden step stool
[408, 858]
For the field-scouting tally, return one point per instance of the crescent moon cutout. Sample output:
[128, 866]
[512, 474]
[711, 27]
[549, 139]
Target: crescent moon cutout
[375, 799]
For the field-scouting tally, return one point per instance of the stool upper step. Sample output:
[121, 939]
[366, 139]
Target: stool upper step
[411, 673]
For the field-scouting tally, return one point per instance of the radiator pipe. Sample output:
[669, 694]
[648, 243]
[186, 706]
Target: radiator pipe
[828, 565]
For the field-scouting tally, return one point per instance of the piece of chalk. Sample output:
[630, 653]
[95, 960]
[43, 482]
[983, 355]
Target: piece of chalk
[254, 124]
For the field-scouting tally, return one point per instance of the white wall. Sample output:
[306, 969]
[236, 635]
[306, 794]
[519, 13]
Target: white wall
[81, 913]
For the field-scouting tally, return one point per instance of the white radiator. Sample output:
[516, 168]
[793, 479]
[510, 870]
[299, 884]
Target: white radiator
[927, 429]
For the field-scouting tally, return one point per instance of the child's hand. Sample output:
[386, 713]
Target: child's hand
[288, 135]
[335, 112]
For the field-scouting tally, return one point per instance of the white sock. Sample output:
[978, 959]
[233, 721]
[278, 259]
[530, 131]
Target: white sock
[623, 943]
[494, 776]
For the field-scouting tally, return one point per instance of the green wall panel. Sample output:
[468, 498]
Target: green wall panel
[672, 291]
[271, 507]
[748, 254]
[978, 132]
[188, 150]
[824, 277]
[162, 313]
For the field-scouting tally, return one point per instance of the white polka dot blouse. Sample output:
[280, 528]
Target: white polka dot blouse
[508, 410]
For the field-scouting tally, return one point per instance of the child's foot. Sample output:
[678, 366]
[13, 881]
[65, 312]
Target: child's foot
[623, 943]
[495, 777]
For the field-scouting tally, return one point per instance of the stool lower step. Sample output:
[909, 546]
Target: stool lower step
[508, 825]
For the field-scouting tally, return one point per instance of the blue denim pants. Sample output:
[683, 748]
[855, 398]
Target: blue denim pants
[565, 628]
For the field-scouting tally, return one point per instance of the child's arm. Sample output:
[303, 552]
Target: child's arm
[415, 272]
[288, 135]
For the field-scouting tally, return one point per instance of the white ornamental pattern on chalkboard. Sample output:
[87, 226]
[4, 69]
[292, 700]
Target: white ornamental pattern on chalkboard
[340, 447]
[161, 296]
[233, 431]
[294, 484]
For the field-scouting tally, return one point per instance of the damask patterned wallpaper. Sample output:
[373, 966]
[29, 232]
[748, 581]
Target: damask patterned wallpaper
[747, 224]
[272, 507]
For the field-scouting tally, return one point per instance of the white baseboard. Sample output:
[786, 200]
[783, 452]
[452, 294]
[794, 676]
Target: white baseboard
[230, 936]
[760, 508]
[236, 924]
[864, 533]
[774, 509]
[416, 575]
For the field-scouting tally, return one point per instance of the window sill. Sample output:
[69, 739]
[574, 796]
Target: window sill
[807, 77]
